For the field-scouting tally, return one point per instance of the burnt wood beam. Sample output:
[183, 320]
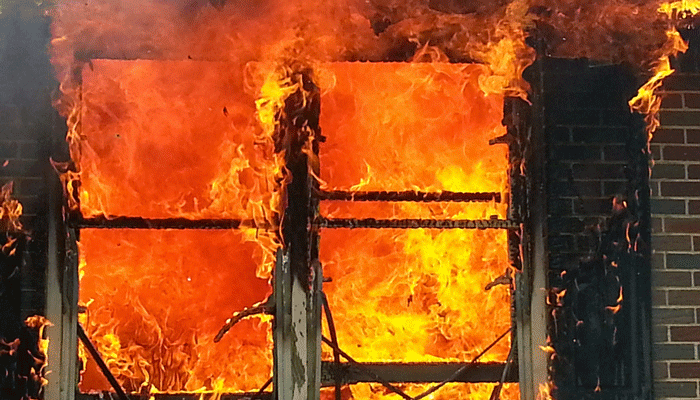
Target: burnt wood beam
[409, 195]
[412, 223]
[124, 222]
[414, 372]
[297, 274]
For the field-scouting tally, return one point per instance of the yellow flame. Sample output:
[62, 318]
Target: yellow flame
[680, 9]
[10, 210]
[545, 391]
[646, 101]
[40, 323]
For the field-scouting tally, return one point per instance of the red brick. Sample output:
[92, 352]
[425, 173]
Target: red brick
[660, 370]
[681, 189]
[693, 135]
[684, 297]
[671, 278]
[676, 389]
[663, 206]
[659, 333]
[682, 225]
[696, 280]
[681, 153]
[680, 118]
[672, 100]
[685, 370]
[694, 171]
[658, 297]
[668, 135]
[668, 171]
[696, 243]
[683, 261]
[674, 351]
[673, 316]
[681, 82]
[692, 100]
[694, 207]
[655, 152]
[685, 333]
[670, 243]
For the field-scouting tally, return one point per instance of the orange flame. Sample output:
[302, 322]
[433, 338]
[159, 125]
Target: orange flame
[680, 9]
[616, 308]
[10, 210]
[646, 101]
[193, 139]
[545, 391]
[40, 323]
[399, 295]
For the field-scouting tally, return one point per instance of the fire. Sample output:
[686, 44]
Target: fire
[38, 324]
[618, 306]
[10, 210]
[143, 126]
[180, 124]
[401, 295]
[647, 102]
[680, 9]
[545, 391]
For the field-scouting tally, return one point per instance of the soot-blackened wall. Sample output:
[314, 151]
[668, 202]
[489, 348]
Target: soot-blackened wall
[598, 230]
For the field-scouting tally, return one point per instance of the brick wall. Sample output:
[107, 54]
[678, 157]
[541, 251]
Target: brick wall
[675, 206]
[29, 129]
[595, 153]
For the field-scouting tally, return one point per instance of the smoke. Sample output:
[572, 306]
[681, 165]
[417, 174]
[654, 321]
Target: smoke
[240, 31]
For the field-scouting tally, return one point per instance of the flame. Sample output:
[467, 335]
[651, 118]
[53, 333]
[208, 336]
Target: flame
[39, 323]
[545, 391]
[400, 295]
[10, 210]
[192, 136]
[616, 308]
[143, 124]
[647, 102]
[680, 9]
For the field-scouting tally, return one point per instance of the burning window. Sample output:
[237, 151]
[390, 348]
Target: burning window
[160, 145]
[170, 140]
[221, 150]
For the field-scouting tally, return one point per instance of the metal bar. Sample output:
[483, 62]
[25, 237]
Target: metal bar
[349, 373]
[264, 307]
[125, 222]
[461, 370]
[409, 223]
[409, 195]
[180, 396]
[100, 363]
[336, 354]
[373, 375]
[496, 393]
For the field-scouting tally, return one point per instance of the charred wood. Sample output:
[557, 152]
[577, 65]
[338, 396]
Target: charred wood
[412, 223]
[414, 372]
[124, 222]
[409, 195]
